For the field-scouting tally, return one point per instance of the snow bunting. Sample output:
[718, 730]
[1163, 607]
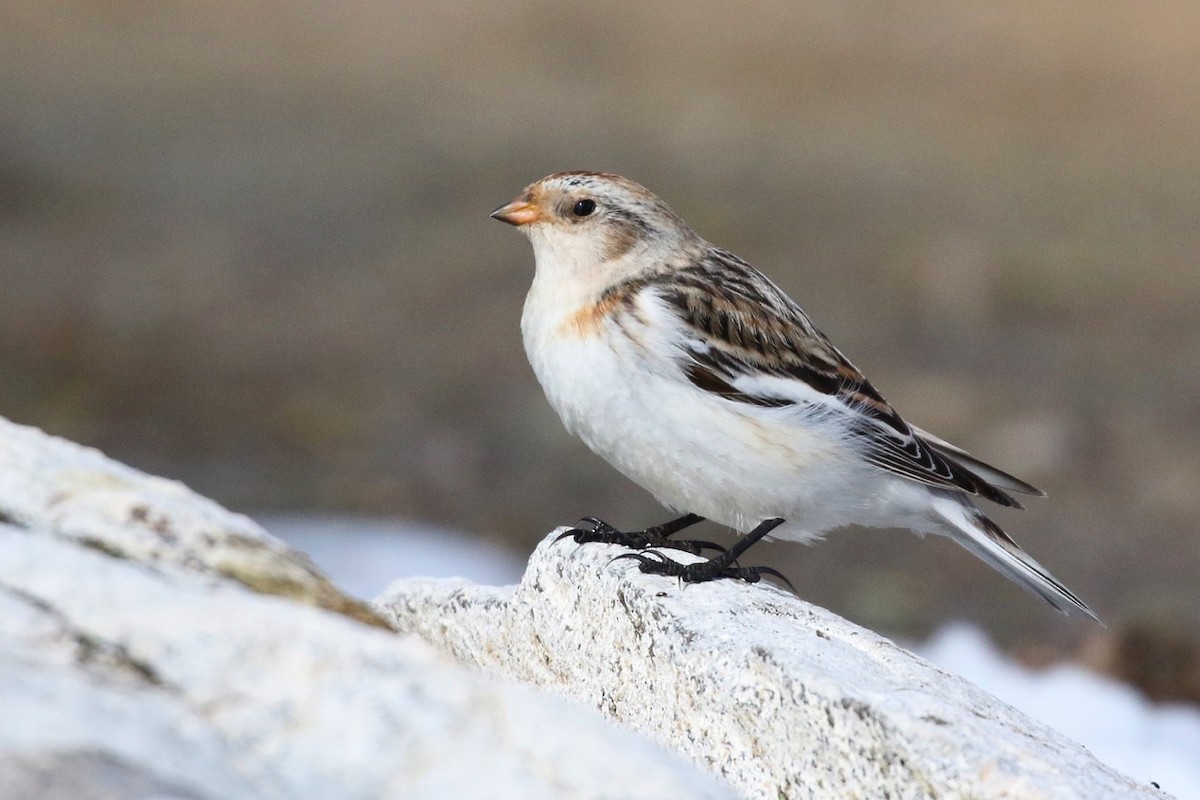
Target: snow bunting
[698, 378]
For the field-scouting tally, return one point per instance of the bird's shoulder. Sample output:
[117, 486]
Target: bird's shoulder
[741, 321]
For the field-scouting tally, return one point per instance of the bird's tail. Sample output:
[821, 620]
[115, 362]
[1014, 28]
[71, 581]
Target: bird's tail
[968, 526]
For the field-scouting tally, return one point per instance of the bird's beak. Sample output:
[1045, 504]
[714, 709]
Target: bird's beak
[519, 212]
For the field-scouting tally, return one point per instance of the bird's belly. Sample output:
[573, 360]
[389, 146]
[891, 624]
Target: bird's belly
[696, 452]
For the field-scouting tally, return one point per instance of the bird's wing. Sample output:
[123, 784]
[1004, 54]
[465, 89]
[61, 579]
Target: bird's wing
[997, 477]
[747, 341]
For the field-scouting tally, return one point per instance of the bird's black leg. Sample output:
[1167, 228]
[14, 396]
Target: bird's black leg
[720, 566]
[591, 529]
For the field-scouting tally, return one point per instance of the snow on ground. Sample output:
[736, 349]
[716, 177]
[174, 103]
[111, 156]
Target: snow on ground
[1148, 742]
[364, 555]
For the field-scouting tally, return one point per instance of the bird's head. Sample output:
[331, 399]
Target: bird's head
[582, 221]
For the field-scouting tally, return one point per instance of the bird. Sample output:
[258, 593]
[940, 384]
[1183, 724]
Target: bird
[698, 378]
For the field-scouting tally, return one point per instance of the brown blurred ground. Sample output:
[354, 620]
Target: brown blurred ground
[247, 245]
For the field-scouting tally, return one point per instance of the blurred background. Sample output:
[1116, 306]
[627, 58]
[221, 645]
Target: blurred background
[246, 245]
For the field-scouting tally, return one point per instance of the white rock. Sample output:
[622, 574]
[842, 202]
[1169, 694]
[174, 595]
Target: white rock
[141, 655]
[779, 697]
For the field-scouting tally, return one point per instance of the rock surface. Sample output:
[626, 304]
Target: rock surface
[782, 699]
[154, 645]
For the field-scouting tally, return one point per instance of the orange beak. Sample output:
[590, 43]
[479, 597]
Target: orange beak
[519, 212]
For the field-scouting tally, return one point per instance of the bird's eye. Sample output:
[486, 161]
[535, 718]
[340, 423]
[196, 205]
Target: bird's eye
[584, 208]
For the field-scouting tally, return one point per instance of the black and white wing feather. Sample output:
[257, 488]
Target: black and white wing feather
[750, 343]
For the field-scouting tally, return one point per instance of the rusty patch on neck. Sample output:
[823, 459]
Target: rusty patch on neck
[588, 320]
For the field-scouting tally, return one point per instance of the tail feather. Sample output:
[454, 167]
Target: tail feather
[973, 530]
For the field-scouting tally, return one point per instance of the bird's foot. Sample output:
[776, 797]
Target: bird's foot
[723, 565]
[653, 562]
[592, 529]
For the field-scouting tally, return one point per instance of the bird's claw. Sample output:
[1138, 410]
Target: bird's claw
[593, 529]
[653, 562]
